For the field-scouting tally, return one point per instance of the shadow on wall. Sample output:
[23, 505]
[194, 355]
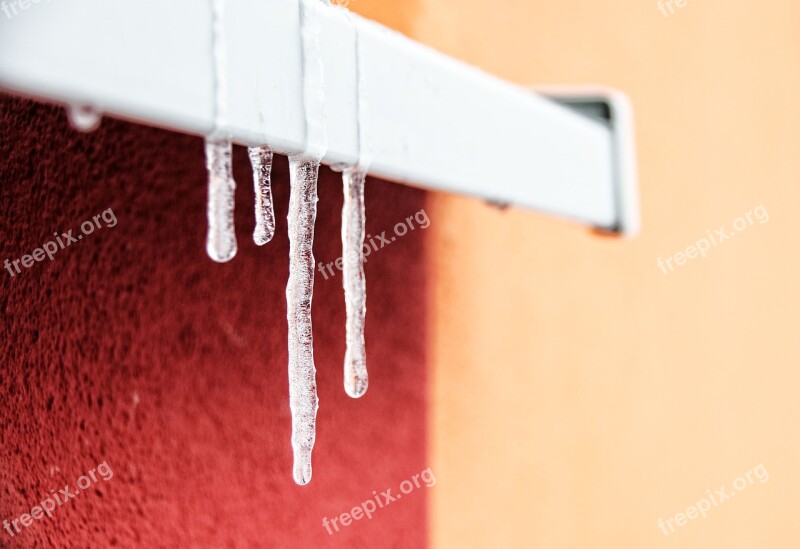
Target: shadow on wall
[130, 351]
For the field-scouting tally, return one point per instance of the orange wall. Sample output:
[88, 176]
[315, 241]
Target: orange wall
[580, 394]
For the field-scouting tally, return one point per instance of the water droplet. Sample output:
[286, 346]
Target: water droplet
[84, 118]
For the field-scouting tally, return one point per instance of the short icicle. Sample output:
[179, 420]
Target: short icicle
[221, 238]
[261, 161]
[303, 172]
[354, 282]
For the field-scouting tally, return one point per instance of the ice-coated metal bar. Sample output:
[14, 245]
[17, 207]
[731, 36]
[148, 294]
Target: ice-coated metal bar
[432, 121]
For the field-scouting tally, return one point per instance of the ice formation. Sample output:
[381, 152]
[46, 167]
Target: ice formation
[303, 173]
[261, 161]
[221, 242]
[299, 291]
[353, 227]
[221, 239]
[355, 289]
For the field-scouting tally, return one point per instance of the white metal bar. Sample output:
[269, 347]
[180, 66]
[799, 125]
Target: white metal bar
[432, 121]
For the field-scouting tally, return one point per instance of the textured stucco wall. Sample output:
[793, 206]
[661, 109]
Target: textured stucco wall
[132, 348]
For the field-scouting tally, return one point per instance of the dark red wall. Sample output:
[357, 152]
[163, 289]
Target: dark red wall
[133, 348]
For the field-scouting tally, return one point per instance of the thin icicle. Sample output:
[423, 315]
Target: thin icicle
[261, 161]
[303, 173]
[221, 238]
[303, 400]
[355, 286]
[353, 223]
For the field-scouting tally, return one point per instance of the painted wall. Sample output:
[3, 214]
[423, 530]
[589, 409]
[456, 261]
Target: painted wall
[132, 349]
[580, 393]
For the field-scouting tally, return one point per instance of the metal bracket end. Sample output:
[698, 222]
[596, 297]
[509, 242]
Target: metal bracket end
[614, 109]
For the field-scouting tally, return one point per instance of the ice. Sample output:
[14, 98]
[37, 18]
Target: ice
[261, 161]
[84, 118]
[353, 223]
[221, 238]
[355, 290]
[303, 171]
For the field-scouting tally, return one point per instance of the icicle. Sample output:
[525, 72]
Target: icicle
[355, 290]
[83, 118]
[221, 239]
[353, 223]
[261, 161]
[303, 401]
[303, 173]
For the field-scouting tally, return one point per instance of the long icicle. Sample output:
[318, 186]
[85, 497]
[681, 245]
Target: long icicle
[261, 161]
[303, 172]
[354, 282]
[303, 399]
